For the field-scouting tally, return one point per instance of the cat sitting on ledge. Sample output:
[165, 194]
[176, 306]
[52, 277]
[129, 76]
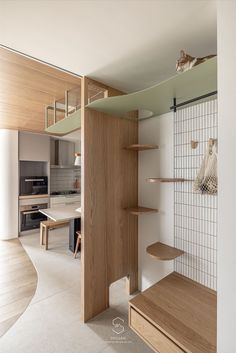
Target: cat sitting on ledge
[186, 62]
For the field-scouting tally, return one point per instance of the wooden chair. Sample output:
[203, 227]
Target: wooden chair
[78, 243]
[45, 226]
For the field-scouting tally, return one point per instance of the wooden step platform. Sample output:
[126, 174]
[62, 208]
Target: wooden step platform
[176, 315]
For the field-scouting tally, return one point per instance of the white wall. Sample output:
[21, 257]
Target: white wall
[9, 184]
[34, 147]
[160, 226]
[227, 177]
[77, 146]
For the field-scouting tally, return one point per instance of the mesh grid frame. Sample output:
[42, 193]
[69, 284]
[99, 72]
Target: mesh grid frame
[195, 215]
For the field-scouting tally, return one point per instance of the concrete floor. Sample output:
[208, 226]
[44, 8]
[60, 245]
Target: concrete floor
[51, 323]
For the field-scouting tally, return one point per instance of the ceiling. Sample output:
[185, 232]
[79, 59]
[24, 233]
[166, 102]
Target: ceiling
[129, 44]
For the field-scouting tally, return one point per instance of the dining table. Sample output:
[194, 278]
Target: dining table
[64, 213]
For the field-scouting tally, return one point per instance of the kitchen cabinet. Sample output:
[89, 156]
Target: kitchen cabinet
[34, 147]
[64, 200]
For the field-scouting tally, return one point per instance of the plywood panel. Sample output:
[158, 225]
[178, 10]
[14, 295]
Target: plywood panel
[11, 56]
[151, 335]
[26, 88]
[109, 183]
[183, 310]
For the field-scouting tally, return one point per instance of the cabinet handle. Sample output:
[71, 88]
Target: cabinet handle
[34, 180]
[30, 212]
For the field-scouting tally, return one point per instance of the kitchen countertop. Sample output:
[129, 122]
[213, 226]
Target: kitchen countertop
[63, 213]
[25, 197]
[66, 195]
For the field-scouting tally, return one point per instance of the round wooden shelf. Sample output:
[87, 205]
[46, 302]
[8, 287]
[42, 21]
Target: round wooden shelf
[163, 252]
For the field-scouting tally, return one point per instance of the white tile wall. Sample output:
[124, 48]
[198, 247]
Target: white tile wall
[195, 215]
[63, 179]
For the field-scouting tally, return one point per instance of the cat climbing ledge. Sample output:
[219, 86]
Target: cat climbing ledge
[200, 81]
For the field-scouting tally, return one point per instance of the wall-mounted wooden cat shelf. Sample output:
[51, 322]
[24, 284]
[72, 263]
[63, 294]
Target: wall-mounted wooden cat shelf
[140, 210]
[139, 147]
[165, 180]
[163, 252]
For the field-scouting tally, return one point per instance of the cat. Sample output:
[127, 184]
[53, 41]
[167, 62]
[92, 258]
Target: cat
[186, 62]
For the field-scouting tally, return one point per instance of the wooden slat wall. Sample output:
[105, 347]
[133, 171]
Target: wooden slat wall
[109, 184]
[26, 88]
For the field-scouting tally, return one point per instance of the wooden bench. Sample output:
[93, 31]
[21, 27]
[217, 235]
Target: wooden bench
[45, 226]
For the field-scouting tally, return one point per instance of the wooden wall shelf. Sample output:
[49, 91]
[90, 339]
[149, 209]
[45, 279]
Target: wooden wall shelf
[139, 147]
[175, 315]
[141, 210]
[163, 252]
[165, 180]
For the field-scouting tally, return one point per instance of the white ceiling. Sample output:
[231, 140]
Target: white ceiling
[128, 44]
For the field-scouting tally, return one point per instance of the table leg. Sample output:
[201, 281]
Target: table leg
[73, 228]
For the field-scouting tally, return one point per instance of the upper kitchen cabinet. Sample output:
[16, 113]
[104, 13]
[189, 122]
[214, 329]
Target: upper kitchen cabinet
[34, 147]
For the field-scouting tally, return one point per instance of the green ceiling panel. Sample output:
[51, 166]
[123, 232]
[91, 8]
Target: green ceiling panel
[200, 80]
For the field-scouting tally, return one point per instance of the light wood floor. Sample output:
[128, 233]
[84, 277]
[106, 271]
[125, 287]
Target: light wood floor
[18, 282]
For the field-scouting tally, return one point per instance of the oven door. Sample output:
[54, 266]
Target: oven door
[31, 219]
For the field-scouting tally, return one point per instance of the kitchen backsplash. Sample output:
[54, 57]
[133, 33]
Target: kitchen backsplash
[63, 179]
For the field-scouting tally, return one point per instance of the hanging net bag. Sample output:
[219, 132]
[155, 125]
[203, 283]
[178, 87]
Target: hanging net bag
[206, 180]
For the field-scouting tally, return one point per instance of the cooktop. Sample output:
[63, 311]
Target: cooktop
[66, 192]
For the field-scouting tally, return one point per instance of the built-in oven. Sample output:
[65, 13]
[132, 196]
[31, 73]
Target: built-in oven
[35, 185]
[30, 216]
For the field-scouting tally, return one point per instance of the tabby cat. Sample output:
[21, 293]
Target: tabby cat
[186, 62]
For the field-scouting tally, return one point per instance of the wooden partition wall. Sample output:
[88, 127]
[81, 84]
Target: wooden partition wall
[109, 184]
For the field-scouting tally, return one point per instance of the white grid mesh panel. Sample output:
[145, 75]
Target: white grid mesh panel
[195, 215]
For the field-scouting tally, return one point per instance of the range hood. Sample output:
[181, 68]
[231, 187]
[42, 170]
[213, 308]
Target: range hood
[62, 154]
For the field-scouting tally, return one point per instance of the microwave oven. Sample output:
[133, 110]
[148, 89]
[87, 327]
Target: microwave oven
[33, 185]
